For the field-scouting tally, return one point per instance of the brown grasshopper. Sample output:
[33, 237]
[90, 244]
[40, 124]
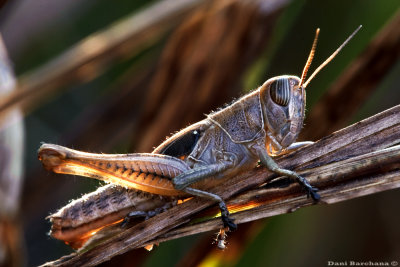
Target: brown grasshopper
[261, 124]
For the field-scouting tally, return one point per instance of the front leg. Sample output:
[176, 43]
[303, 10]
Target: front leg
[272, 166]
[182, 181]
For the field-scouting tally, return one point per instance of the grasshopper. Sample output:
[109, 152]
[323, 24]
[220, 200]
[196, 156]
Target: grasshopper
[258, 126]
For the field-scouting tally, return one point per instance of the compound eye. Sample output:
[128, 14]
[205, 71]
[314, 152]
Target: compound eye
[280, 91]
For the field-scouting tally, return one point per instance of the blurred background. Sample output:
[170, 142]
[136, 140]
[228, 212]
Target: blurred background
[118, 77]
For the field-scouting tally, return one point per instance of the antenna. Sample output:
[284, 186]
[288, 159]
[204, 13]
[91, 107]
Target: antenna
[328, 59]
[310, 58]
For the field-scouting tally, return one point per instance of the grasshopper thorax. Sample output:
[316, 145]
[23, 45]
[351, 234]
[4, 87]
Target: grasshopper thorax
[283, 104]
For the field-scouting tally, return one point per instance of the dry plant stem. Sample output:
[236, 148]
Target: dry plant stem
[93, 55]
[356, 83]
[372, 134]
[340, 181]
[11, 166]
[289, 203]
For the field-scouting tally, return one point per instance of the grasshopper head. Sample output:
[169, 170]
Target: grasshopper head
[283, 103]
[283, 100]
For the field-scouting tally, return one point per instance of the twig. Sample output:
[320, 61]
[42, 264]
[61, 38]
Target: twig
[93, 55]
[11, 166]
[339, 181]
[373, 134]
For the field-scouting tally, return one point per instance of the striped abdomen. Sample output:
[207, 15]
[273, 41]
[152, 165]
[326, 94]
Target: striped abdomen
[79, 220]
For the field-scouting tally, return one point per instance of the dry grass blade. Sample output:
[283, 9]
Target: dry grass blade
[373, 134]
[339, 181]
[93, 55]
[11, 165]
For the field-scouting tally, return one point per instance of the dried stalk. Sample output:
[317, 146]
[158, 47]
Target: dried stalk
[93, 55]
[11, 167]
[339, 181]
[351, 146]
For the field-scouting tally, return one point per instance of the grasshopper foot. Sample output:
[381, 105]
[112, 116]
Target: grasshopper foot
[309, 189]
[132, 216]
[315, 196]
[313, 192]
[272, 166]
[228, 222]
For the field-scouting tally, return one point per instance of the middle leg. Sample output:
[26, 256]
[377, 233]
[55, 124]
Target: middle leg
[182, 182]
